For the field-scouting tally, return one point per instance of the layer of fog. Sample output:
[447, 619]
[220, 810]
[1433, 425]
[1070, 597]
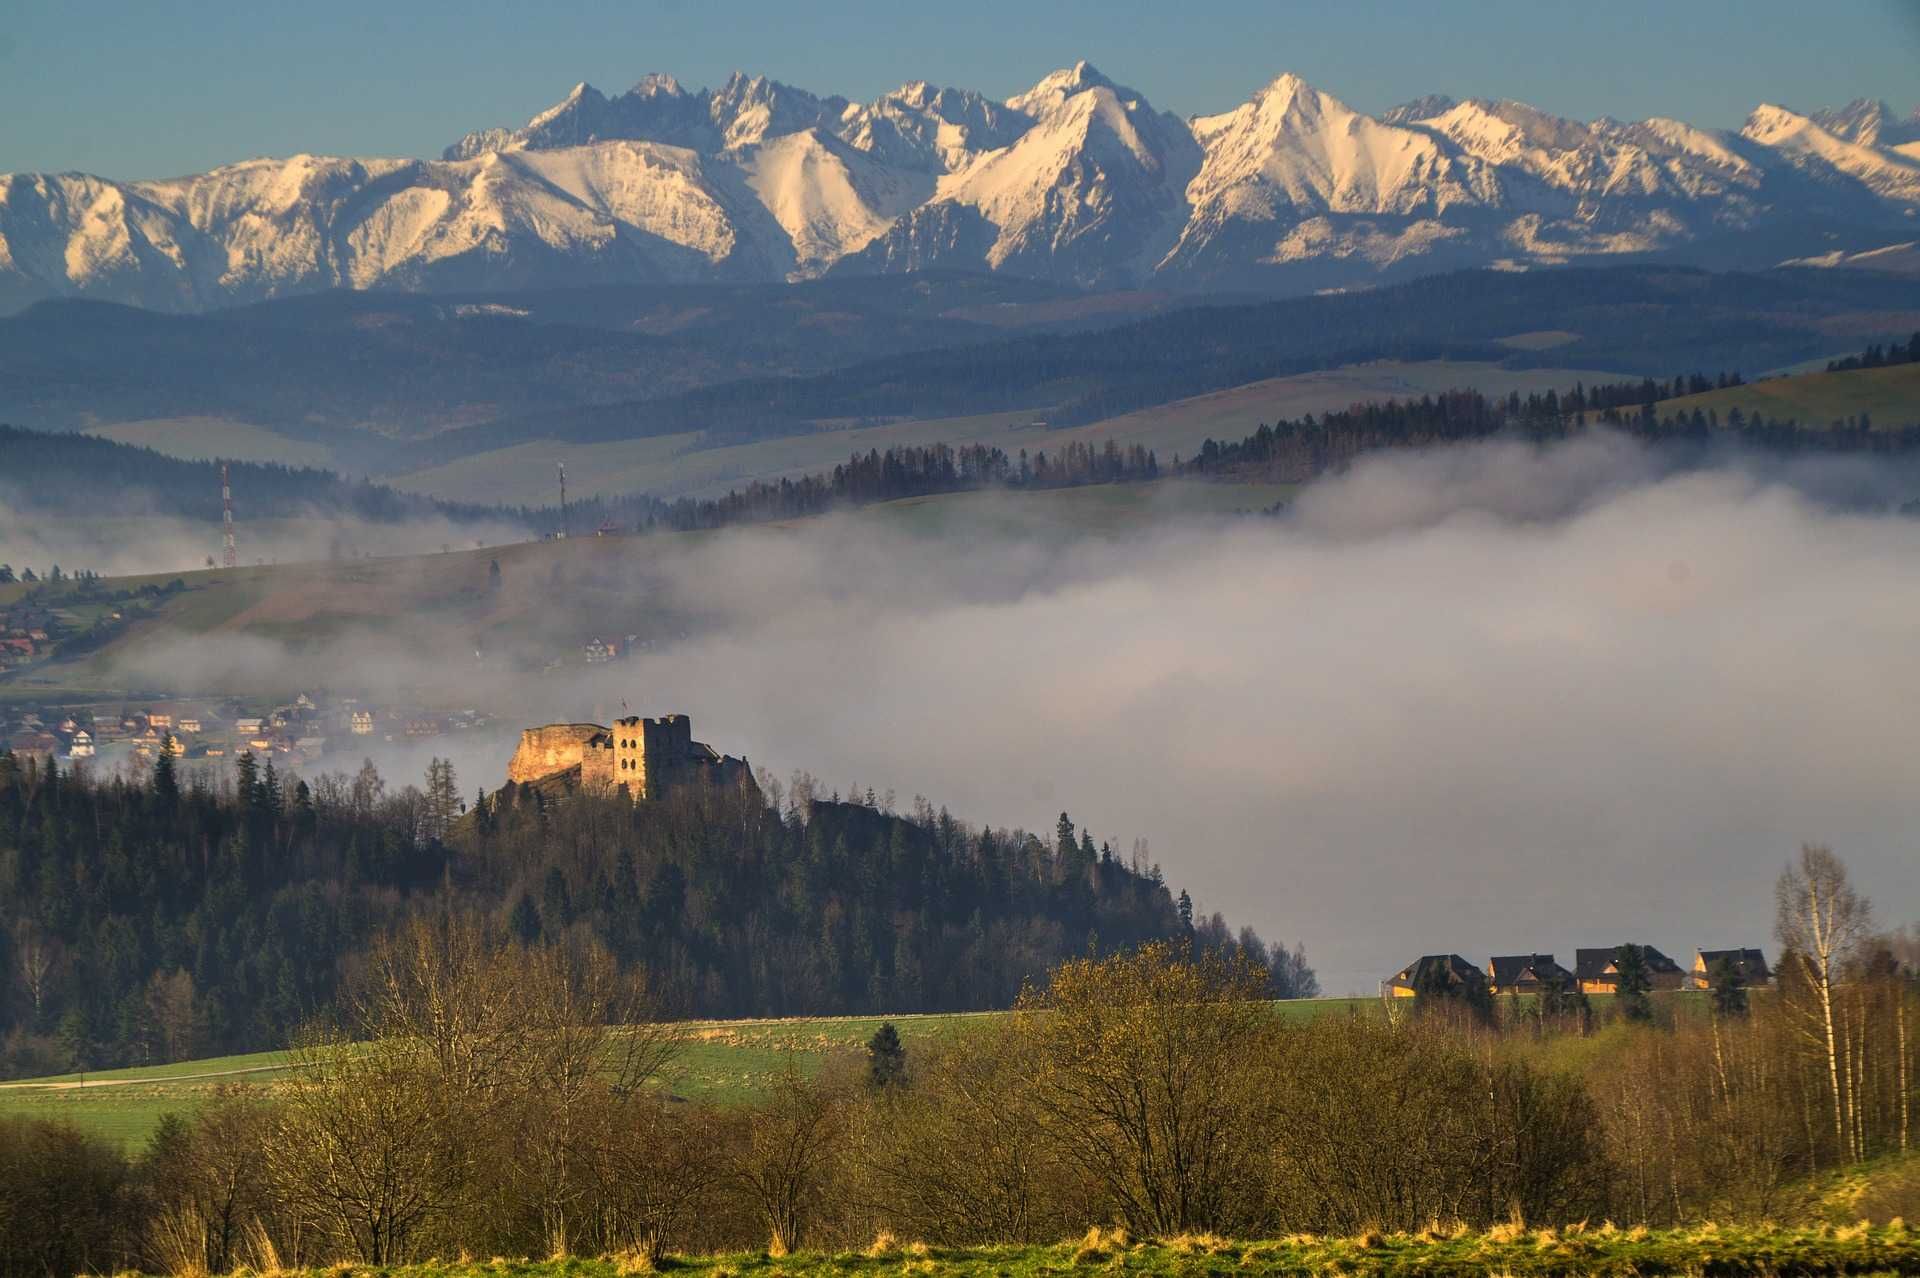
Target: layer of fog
[127, 540]
[1492, 699]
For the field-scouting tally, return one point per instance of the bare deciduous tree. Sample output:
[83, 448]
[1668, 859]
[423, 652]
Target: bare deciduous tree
[653, 1165]
[1820, 922]
[781, 1153]
[1140, 1075]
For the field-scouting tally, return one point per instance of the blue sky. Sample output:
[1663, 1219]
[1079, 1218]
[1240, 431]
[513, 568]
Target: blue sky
[146, 90]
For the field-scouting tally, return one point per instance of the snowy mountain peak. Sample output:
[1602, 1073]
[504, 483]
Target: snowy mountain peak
[1060, 87]
[1077, 179]
[1767, 123]
[1423, 108]
[657, 84]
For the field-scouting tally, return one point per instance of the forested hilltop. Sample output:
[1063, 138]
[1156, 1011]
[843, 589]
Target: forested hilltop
[61, 474]
[182, 917]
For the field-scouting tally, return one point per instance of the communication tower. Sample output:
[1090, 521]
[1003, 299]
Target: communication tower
[231, 557]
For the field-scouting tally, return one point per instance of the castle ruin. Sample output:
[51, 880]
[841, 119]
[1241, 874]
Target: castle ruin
[645, 756]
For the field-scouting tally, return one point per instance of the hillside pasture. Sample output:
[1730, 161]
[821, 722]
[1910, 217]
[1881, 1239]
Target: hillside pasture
[684, 465]
[211, 438]
[730, 1062]
[1889, 396]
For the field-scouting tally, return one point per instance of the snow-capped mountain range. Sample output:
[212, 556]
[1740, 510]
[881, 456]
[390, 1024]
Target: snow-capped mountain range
[1079, 180]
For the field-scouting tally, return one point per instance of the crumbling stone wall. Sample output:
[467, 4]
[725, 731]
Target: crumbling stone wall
[554, 748]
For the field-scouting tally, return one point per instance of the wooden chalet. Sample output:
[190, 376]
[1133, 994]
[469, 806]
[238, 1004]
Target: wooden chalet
[1455, 970]
[1526, 974]
[1749, 965]
[1596, 973]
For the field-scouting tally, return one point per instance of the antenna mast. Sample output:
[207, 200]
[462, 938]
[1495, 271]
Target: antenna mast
[563, 500]
[231, 556]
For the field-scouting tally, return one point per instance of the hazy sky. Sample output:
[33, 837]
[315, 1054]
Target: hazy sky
[129, 90]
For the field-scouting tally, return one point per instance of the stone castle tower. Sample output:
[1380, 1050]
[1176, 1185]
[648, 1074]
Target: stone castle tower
[645, 756]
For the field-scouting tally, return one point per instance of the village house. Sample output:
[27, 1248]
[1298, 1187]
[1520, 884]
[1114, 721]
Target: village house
[360, 723]
[1451, 968]
[1526, 974]
[43, 746]
[1750, 966]
[1596, 973]
[81, 746]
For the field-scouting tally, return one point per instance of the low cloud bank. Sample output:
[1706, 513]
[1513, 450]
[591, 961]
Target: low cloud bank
[129, 539]
[1490, 699]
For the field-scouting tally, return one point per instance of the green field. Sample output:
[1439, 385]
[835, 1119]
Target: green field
[1705, 1251]
[678, 465]
[1890, 396]
[207, 438]
[723, 1061]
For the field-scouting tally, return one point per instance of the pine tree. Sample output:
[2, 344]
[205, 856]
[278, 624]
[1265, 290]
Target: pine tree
[886, 1058]
[1728, 990]
[1632, 980]
[1561, 998]
[166, 780]
[246, 776]
[525, 919]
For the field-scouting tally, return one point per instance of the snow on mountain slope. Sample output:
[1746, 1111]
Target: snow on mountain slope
[1077, 179]
[918, 126]
[1092, 192]
[828, 198]
[1869, 122]
[1803, 143]
[1293, 145]
[1598, 162]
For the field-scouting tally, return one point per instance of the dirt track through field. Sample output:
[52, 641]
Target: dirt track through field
[143, 1082]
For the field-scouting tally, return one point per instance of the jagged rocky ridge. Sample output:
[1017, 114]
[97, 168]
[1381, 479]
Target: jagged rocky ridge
[1077, 180]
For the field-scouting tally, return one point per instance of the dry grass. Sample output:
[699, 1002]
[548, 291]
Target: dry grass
[1439, 1251]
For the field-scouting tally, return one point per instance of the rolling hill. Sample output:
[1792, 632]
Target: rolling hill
[1888, 396]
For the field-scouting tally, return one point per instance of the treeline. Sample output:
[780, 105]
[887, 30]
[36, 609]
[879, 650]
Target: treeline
[63, 473]
[1878, 356]
[1295, 451]
[186, 915]
[877, 476]
[514, 1099]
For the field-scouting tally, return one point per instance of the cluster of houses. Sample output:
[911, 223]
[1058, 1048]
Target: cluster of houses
[26, 630]
[1595, 971]
[302, 731]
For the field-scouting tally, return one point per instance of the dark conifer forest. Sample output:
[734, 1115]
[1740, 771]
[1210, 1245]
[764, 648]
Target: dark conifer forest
[182, 917]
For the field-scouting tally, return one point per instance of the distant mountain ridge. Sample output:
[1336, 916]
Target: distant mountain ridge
[1079, 180]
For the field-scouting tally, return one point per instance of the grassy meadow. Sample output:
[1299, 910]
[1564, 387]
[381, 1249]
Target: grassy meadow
[215, 438]
[682, 465]
[723, 1061]
[1706, 1251]
[1890, 396]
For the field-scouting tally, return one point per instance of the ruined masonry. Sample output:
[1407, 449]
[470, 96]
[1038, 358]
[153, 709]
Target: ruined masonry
[647, 756]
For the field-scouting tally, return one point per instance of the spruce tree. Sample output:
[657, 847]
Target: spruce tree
[1632, 982]
[166, 780]
[886, 1058]
[1728, 990]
